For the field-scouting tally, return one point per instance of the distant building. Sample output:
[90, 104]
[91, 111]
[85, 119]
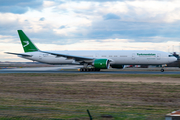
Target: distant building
[175, 115]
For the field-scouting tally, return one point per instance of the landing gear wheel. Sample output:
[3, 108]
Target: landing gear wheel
[83, 69]
[162, 70]
[96, 69]
[89, 69]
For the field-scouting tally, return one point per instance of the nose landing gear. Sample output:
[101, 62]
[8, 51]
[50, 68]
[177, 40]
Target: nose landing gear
[162, 70]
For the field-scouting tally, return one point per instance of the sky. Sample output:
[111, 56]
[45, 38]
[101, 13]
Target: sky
[90, 25]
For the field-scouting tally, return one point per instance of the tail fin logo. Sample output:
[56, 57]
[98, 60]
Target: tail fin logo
[27, 43]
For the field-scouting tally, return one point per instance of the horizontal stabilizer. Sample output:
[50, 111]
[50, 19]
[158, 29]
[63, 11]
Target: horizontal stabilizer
[24, 55]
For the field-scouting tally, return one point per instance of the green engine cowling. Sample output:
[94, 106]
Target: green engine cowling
[101, 63]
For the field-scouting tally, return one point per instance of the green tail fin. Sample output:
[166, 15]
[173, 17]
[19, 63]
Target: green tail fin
[26, 43]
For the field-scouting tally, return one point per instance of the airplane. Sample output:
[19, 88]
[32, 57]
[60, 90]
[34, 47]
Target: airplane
[93, 60]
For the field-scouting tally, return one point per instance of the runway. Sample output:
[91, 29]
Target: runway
[67, 70]
[102, 72]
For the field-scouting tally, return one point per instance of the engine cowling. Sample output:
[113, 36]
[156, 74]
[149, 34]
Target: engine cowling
[101, 63]
[117, 66]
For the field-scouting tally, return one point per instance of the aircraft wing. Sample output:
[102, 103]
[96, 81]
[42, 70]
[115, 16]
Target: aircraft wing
[76, 58]
[23, 55]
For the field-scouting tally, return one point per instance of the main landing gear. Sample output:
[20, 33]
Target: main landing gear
[162, 70]
[89, 69]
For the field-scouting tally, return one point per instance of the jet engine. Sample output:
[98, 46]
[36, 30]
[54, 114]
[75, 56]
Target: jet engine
[101, 63]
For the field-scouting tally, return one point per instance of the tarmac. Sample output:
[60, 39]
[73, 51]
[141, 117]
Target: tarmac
[74, 70]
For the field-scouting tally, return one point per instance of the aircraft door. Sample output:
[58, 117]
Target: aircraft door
[133, 56]
[158, 56]
[40, 56]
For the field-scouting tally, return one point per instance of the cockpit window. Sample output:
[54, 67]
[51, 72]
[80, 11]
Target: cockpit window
[171, 55]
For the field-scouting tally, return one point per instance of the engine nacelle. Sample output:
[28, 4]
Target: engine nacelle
[117, 66]
[101, 63]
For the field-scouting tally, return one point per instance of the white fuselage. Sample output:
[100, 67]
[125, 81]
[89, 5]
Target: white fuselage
[118, 57]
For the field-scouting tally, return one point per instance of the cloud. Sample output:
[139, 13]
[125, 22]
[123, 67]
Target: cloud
[42, 19]
[104, 0]
[62, 27]
[139, 31]
[90, 24]
[19, 6]
[110, 16]
[72, 22]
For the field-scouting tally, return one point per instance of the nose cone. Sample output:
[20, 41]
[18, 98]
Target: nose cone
[172, 59]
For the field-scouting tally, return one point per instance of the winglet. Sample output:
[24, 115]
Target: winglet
[27, 45]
